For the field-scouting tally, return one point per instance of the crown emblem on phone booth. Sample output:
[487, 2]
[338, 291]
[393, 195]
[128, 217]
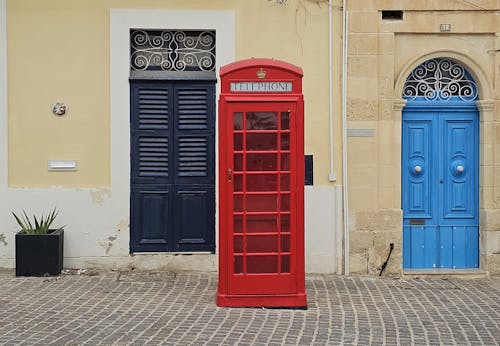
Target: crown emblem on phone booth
[261, 74]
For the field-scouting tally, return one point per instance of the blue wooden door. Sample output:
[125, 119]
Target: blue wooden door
[440, 188]
[172, 166]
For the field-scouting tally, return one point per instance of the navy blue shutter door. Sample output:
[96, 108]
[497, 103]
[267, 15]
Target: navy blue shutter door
[194, 192]
[151, 116]
[172, 166]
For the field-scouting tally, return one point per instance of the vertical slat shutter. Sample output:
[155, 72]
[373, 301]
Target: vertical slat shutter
[172, 166]
[193, 154]
[194, 134]
[150, 132]
[195, 166]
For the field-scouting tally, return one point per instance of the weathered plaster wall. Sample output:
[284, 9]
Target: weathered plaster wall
[77, 52]
[381, 55]
[59, 50]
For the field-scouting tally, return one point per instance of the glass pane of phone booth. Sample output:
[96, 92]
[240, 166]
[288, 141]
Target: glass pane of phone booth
[261, 192]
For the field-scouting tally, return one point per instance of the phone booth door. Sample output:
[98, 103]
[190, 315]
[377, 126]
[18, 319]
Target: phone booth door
[262, 181]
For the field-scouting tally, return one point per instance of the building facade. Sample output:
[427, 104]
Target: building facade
[96, 164]
[402, 100]
[422, 116]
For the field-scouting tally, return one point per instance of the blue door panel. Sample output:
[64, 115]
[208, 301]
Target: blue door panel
[440, 188]
[150, 218]
[172, 165]
[472, 246]
[446, 247]
[417, 236]
[192, 164]
[459, 246]
[459, 163]
[422, 242]
[150, 158]
[194, 109]
[407, 246]
[465, 240]
[194, 211]
[430, 247]
[150, 135]
[416, 174]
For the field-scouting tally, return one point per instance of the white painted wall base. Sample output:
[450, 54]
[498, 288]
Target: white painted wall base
[323, 226]
[97, 237]
[149, 261]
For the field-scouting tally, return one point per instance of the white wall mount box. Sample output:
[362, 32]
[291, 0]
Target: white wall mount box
[62, 165]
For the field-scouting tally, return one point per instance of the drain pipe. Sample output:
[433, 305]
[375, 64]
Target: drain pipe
[344, 138]
[331, 176]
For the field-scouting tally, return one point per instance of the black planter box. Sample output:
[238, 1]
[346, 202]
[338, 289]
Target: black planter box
[39, 254]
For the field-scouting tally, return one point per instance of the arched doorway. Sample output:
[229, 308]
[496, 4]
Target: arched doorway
[440, 167]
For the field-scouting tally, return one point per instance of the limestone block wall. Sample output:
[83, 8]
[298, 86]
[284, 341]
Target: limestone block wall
[381, 54]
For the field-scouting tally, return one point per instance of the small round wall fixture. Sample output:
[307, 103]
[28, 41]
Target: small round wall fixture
[59, 108]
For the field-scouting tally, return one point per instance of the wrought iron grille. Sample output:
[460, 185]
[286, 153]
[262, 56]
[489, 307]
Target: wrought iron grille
[440, 79]
[167, 50]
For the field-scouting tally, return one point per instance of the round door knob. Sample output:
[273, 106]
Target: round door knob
[460, 168]
[417, 168]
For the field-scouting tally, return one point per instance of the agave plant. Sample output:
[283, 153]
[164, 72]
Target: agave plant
[41, 226]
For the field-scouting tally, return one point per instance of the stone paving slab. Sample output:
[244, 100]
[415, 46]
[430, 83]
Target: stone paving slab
[179, 309]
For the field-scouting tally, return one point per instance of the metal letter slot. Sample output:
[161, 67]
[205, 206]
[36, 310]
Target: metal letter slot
[417, 222]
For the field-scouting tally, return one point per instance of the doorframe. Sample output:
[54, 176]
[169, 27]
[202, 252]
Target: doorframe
[485, 105]
[121, 21]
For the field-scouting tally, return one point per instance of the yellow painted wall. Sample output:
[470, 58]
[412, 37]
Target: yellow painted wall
[58, 50]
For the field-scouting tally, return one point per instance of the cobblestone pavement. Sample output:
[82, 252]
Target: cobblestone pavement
[179, 308]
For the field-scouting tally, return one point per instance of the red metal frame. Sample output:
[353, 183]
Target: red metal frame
[261, 188]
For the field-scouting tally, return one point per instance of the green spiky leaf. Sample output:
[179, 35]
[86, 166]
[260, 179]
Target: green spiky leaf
[42, 225]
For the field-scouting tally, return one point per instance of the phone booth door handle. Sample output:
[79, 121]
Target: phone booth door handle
[229, 174]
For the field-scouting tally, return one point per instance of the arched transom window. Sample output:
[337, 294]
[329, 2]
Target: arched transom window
[439, 79]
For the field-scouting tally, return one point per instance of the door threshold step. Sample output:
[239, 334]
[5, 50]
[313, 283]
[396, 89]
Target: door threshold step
[472, 273]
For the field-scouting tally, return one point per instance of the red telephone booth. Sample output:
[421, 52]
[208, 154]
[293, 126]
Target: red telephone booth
[261, 182]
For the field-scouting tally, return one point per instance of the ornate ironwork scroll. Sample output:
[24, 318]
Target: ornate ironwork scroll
[167, 50]
[440, 79]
